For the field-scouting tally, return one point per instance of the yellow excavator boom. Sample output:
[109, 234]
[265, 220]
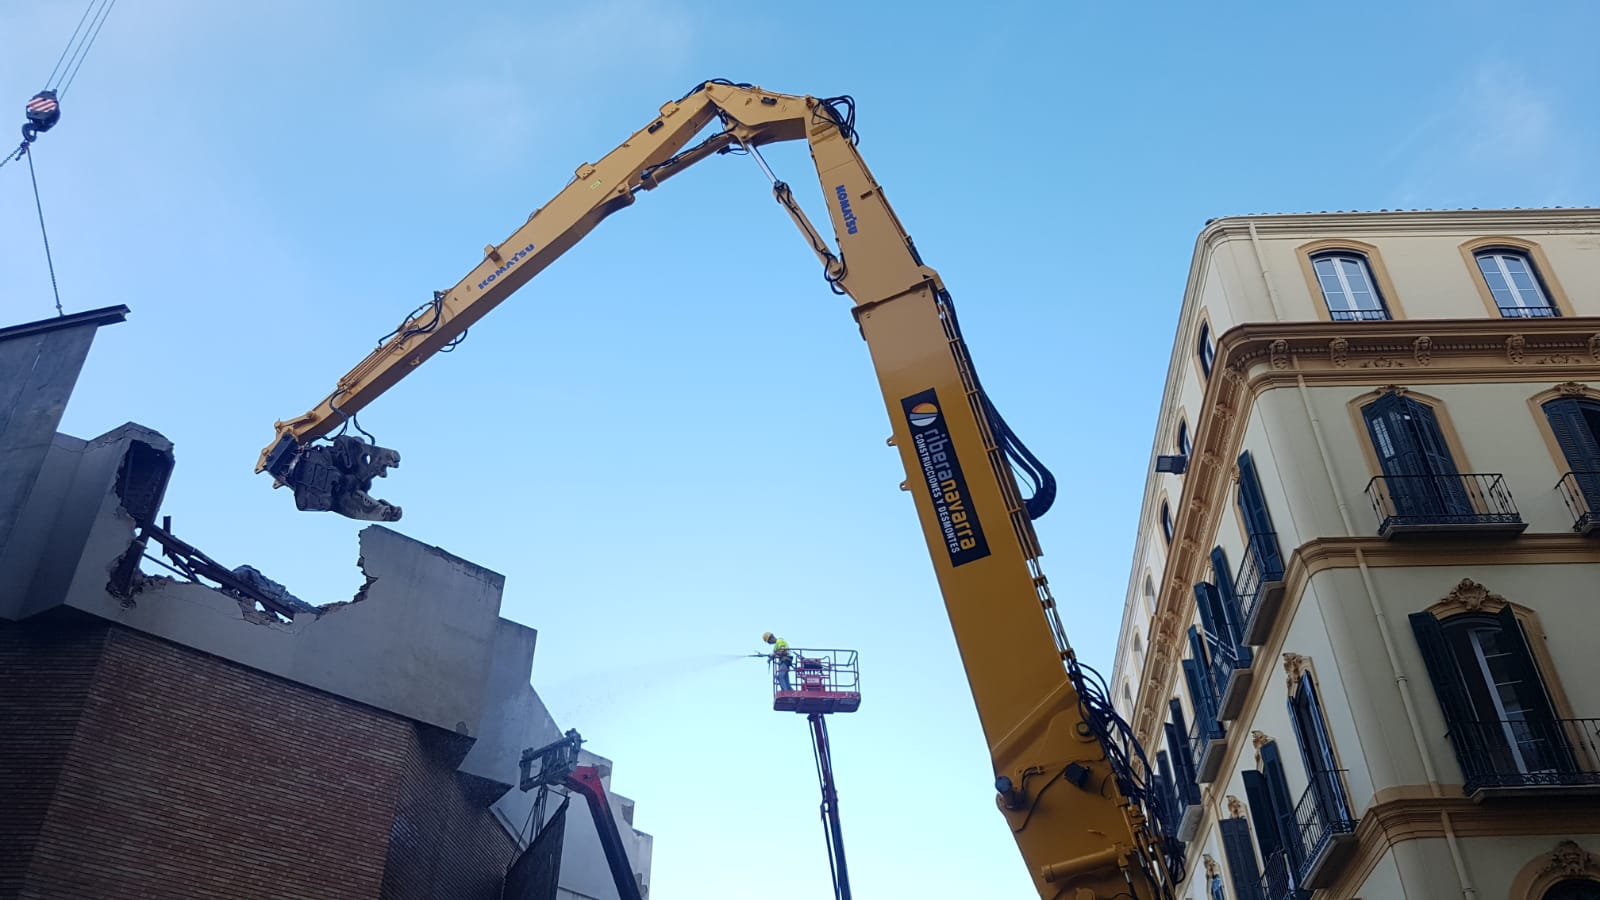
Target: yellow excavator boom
[1083, 803]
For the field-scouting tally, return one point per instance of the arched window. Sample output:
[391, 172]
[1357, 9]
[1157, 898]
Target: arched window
[1347, 286]
[1518, 290]
[1503, 723]
[1575, 422]
[1420, 475]
[1184, 446]
[1166, 521]
[1206, 349]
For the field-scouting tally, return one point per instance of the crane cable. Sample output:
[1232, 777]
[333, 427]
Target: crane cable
[44, 111]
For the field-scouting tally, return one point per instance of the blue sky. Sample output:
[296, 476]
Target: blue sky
[672, 440]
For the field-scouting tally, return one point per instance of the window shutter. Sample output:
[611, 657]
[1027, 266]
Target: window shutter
[1228, 603]
[1182, 760]
[1242, 870]
[1429, 437]
[1415, 458]
[1579, 444]
[1203, 688]
[1543, 730]
[1316, 749]
[1442, 668]
[1260, 800]
[1282, 804]
[1195, 676]
[1253, 506]
[1166, 798]
[1205, 600]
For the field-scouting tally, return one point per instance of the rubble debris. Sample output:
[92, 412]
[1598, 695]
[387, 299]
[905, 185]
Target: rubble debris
[252, 576]
[243, 583]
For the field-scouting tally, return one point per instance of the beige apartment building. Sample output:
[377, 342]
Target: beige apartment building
[1361, 642]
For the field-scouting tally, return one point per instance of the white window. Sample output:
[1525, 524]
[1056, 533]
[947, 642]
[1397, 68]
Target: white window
[1347, 287]
[1515, 284]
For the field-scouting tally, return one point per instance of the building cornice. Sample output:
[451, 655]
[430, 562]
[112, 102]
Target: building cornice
[1381, 222]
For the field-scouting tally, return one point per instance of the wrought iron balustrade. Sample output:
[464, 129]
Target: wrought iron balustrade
[1519, 753]
[1581, 491]
[1441, 502]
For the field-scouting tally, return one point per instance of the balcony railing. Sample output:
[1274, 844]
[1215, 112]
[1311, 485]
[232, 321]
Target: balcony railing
[1206, 747]
[1523, 753]
[1438, 503]
[1358, 315]
[1528, 312]
[1324, 816]
[1186, 808]
[1277, 881]
[1581, 491]
[1259, 585]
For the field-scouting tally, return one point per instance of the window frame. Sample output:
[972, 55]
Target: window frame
[1507, 277]
[1425, 478]
[1471, 602]
[1544, 274]
[1377, 273]
[1342, 261]
[1306, 709]
[1205, 350]
[1441, 414]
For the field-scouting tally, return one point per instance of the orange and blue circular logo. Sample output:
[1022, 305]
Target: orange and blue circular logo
[923, 414]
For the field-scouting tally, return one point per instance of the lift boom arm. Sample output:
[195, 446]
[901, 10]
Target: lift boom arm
[1096, 836]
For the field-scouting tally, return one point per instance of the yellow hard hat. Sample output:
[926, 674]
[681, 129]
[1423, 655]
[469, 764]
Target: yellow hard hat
[767, 636]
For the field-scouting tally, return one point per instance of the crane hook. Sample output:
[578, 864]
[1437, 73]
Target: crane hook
[43, 112]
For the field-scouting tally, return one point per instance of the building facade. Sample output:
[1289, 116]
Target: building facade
[1359, 637]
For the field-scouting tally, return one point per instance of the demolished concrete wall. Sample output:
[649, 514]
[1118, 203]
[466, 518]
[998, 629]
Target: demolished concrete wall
[421, 641]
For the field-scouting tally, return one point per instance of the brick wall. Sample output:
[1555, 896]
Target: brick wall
[445, 844]
[187, 776]
[45, 673]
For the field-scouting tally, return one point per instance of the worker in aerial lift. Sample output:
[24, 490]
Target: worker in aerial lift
[780, 654]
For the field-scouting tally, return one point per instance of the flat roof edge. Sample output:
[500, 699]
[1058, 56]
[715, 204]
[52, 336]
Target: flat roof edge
[106, 315]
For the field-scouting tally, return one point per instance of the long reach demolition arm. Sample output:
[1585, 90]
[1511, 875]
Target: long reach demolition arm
[1083, 802]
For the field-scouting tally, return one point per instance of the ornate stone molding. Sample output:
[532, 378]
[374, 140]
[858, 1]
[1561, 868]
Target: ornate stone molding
[1235, 807]
[1339, 351]
[1211, 866]
[1516, 348]
[1258, 740]
[1294, 666]
[1280, 354]
[1422, 348]
[1572, 388]
[1473, 596]
[1594, 347]
[1570, 860]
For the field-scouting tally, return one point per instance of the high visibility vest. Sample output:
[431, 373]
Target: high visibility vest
[781, 647]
